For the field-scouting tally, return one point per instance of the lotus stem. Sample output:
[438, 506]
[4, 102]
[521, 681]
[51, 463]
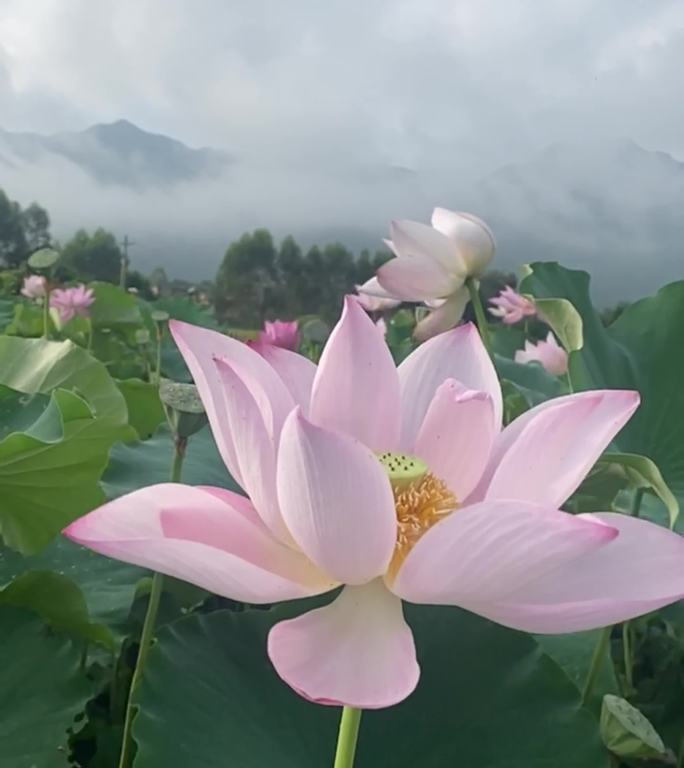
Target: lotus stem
[636, 502]
[46, 311]
[160, 337]
[480, 316]
[626, 638]
[145, 641]
[569, 382]
[596, 662]
[347, 737]
[125, 759]
[627, 656]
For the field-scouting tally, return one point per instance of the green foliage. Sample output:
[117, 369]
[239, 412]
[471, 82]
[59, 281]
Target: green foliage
[111, 332]
[400, 335]
[27, 321]
[611, 314]
[486, 696]
[656, 683]
[108, 586]
[37, 366]
[639, 351]
[574, 653]
[246, 278]
[141, 284]
[49, 474]
[113, 306]
[531, 380]
[95, 256]
[564, 320]
[187, 310]
[13, 245]
[59, 601]
[36, 225]
[18, 410]
[135, 465]
[175, 308]
[257, 281]
[641, 473]
[21, 231]
[42, 690]
[145, 411]
[10, 284]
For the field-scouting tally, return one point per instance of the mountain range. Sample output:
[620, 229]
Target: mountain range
[610, 206]
[117, 153]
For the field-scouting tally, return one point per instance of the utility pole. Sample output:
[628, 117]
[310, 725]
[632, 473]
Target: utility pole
[125, 245]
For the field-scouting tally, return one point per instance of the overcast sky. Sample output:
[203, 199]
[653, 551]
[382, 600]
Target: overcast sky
[318, 101]
[398, 82]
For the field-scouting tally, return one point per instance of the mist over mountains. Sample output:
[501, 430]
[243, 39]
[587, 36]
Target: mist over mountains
[611, 206]
[117, 153]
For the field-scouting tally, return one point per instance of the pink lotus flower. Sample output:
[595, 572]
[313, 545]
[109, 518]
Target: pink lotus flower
[399, 484]
[70, 302]
[373, 298]
[432, 263]
[548, 353]
[34, 287]
[511, 307]
[280, 333]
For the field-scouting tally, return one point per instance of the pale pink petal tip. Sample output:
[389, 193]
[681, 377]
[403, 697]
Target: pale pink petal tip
[456, 436]
[640, 571]
[573, 430]
[457, 354]
[209, 537]
[356, 387]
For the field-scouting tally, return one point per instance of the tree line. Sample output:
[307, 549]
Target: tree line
[85, 256]
[258, 279]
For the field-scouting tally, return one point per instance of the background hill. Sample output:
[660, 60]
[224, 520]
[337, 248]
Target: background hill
[612, 206]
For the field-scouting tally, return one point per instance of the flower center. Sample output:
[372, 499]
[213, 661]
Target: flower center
[420, 499]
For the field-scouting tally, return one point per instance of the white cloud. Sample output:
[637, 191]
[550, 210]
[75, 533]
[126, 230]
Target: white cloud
[395, 80]
[313, 96]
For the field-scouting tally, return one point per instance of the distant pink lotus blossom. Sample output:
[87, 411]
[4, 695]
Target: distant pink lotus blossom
[280, 333]
[510, 307]
[396, 484]
[70, 302]
[34, 287]
[548, 353]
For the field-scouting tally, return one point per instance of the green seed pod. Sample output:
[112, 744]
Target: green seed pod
[627, 733]
[183, 407]
[402, 469]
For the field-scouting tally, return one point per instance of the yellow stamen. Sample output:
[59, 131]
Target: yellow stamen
[419, 506]
[420, 499]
